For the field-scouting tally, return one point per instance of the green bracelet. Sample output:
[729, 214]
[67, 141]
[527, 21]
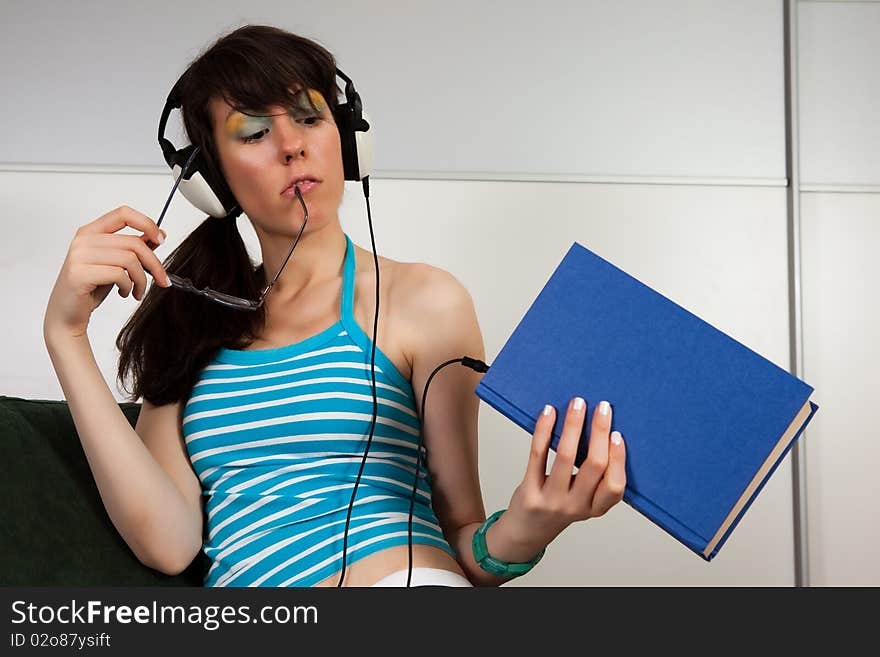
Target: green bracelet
[496, 566]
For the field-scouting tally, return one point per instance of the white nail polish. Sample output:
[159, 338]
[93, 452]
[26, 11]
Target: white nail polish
[604, 408]
[161, 239]
[548, 409]
[578, 403]
[616, 438]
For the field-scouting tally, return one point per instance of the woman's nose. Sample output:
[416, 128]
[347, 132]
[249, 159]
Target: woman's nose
[291, 138]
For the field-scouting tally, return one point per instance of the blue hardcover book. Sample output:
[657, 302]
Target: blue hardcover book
[705, 419]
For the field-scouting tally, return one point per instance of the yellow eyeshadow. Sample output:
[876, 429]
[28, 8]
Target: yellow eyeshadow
[242, 125]
[235, 123]
[317, 99]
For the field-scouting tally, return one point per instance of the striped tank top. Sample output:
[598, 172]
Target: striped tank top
[276, 437]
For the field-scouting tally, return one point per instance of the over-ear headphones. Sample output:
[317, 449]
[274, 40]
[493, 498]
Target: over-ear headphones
[205, 187]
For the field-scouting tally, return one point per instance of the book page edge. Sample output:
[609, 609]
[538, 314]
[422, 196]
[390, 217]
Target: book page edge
[761, 474]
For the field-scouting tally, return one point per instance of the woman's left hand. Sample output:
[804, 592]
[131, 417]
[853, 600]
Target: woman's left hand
[545, 504]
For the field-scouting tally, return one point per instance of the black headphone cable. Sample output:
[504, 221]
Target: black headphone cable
[366, 186]
[473, 363]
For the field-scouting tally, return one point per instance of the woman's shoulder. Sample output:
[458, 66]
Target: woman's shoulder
[435, 314]
[426, 289]
[416, 286]
[430, 311]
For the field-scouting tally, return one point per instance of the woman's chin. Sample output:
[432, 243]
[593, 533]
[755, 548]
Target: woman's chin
[317, 220]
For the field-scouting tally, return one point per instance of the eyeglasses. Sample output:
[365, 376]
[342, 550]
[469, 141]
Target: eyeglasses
[227, 299]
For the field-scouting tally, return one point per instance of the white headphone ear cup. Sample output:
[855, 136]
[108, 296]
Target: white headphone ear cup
[365, 144]
[199, 193]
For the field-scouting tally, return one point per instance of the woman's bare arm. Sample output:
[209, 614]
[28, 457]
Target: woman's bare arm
[542, 505]
[159, 518]
[146, 488]
[444, 326]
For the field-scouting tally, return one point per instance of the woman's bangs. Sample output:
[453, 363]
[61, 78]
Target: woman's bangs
[255, 91]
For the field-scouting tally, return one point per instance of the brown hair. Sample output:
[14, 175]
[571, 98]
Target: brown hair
[173, 334]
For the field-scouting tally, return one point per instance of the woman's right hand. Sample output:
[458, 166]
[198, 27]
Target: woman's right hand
[97, 259]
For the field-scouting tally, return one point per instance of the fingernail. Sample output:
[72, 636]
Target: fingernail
[578, 403]
[167, 281]
[616, 438]
[604, 408]
[548, 409]
[161, 238]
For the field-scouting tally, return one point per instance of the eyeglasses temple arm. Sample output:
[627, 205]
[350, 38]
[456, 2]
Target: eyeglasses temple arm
[292, 246]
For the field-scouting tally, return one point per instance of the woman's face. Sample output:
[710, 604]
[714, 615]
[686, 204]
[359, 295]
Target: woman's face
[261, 155]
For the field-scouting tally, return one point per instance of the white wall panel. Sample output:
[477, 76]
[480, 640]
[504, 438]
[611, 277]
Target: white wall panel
[839, 78]
[841, 274]
[491, 89]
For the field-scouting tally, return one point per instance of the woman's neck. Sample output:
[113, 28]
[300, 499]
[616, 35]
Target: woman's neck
[317, 257]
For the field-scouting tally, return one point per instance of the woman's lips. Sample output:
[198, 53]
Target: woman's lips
[304, 187]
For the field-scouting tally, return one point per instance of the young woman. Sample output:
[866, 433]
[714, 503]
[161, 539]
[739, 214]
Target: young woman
[254, 423]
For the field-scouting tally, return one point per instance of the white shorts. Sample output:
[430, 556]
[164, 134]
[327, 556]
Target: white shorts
[424, 577]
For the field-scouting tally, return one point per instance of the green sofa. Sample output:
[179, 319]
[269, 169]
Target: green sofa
[55, 530]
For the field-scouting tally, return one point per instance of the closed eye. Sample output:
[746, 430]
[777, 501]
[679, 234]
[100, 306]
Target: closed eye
[254, 136]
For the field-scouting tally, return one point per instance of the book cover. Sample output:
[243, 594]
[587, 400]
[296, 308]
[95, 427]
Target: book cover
[705, 419]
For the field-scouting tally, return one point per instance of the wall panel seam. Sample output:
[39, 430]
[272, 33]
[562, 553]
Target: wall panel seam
[464, 176]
